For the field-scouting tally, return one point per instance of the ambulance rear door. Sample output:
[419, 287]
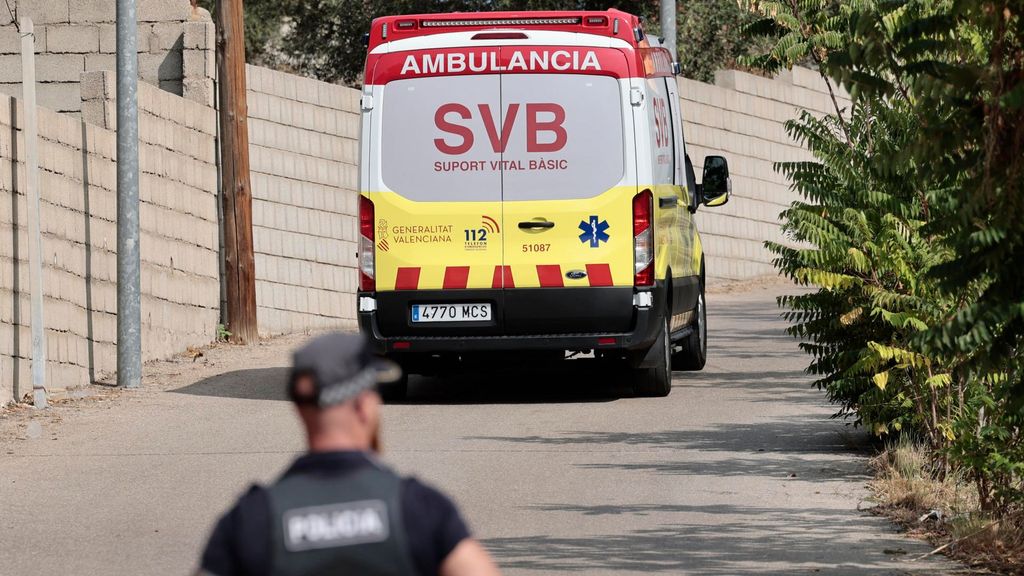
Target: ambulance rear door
[439, 224]
[567, 188]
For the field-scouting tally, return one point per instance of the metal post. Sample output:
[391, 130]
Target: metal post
[668, 26]
[35, 237]
[129, 316]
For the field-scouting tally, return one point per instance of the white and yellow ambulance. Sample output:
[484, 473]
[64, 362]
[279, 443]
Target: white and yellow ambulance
[526, 192]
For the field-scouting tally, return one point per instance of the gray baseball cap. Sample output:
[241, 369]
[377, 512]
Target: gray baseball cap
[342, 366]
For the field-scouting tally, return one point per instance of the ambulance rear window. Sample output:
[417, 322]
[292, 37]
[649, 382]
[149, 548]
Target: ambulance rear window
[493, 137]
[571, 144]
[434, 145]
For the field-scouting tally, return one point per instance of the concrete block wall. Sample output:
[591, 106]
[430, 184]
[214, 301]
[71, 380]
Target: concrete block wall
[304, 153]
[742, 117]
[179, 240]
[175, 46]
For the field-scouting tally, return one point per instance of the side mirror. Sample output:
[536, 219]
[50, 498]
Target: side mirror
[715, 184]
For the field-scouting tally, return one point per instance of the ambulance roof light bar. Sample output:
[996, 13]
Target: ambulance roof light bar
[611, 22]
[500, 22]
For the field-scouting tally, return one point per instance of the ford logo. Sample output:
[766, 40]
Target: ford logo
[576, 274]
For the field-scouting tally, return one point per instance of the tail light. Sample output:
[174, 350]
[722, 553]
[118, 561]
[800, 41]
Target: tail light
[643, 239]
[367, 251]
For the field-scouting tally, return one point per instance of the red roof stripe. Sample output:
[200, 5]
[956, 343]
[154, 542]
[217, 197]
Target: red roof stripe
[495, 59]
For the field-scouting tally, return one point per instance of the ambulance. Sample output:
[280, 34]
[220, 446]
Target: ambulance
[526, 196]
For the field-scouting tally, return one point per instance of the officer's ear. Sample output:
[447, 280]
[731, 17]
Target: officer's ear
[363, 406]
[302, 390]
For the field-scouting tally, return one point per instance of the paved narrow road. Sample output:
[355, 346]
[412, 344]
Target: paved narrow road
[739, 471]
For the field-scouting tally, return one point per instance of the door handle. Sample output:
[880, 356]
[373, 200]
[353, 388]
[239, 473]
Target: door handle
[534, 224]
[668, 201]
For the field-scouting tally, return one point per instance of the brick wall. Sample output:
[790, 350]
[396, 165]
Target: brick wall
[742, 117]
[75, 36]
[304, 153]
[179, 241]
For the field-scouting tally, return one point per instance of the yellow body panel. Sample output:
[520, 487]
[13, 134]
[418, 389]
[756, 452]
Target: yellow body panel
[562, 246]
[431, 236]
[435, 236]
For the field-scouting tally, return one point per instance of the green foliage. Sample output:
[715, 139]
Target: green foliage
[710, 36]
[325, 37]
[911, 226]
[264, 21]
[863, 242]
[802, 31]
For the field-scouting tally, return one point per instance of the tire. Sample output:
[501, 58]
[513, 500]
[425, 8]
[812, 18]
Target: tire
[656, 381]
[694, 348]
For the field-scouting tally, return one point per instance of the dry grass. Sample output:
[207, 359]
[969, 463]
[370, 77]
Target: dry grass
[996, 544]
[944, 509]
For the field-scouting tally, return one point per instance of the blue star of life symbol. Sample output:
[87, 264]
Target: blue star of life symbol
[594, 231]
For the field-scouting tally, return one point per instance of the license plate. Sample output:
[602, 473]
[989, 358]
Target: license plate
[451, 312]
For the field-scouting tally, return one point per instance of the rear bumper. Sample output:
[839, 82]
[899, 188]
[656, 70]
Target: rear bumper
[552, 329]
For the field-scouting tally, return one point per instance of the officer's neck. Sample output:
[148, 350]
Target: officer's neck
[337, 443]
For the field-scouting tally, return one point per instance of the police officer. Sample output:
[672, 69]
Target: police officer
[337, 510]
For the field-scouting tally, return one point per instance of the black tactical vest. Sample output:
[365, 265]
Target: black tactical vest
[338, 524]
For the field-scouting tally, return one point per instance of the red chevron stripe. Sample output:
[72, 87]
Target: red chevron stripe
[599, 274]
[550, 275]
[456, 277]
[408, 279]
[502, 277]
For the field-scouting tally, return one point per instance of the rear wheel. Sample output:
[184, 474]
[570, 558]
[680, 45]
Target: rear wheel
[694, 351]
[657, 380]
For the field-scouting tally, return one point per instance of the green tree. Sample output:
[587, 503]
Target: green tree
[710, 36]
[264, 29]
[921, 326]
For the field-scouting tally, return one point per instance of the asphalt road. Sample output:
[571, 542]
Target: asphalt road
[738, 471]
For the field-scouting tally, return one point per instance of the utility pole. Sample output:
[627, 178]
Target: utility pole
[668, 26]
[129, 315]
[240, 266]
[35, 238]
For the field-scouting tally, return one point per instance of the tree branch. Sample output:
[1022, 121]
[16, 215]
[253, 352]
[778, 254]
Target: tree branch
[14, 14]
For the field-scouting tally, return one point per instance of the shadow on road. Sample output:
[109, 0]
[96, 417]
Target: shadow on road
[581, 382]
[807, 434]
[575, 382]
[720, 539]
[251, 384]
[795, 448]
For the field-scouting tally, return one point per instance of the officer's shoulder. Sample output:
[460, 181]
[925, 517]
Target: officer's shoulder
[252, 500]
[424, 495]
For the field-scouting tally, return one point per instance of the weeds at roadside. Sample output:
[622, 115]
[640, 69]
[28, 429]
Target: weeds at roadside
[943, 508]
